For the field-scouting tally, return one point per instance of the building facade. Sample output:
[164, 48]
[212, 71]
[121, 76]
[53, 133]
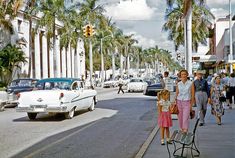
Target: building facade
[69, 62]
[222, 42]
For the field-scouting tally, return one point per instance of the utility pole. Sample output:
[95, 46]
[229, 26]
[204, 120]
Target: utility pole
[230, 37]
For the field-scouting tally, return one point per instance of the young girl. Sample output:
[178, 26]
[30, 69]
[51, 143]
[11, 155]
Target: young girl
[164, 116]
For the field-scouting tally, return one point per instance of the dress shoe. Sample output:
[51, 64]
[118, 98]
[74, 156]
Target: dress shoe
[201, 124]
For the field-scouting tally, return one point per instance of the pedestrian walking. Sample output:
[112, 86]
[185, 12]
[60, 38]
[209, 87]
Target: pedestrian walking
[164, 115]
[231, 89]
[184, 99]
[120, 84]
[202, 93]
[217, 99]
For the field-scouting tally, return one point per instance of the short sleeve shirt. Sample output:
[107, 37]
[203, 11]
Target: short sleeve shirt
[184, 90]
[165, 105]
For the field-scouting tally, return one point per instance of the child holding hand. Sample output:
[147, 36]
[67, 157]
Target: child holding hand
[164, 116]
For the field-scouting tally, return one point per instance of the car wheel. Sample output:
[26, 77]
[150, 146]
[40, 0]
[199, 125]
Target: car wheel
[92, 107]
[32, 116]
[70, 114]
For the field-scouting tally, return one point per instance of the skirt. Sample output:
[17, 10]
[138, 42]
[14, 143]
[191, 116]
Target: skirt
[164, 119]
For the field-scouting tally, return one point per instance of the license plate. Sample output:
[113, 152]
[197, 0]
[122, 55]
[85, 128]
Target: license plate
[39, 109]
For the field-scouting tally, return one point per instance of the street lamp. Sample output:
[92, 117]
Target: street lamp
[102, 58]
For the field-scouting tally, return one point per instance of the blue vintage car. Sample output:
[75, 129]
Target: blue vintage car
[18, 86]
[154, 88]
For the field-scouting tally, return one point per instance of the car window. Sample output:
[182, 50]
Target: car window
[22, 83]
[63, 85]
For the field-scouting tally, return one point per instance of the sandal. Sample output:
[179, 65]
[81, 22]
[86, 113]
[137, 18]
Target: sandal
[169, 141]
[162, 142]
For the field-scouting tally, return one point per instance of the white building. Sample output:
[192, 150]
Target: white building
[69, 64]
[221, 42]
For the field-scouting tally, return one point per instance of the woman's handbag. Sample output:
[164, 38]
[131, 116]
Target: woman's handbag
[222, 99]
[174, 109]
[192, 114]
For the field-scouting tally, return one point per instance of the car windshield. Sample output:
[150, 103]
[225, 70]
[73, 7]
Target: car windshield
[54, 85]
[22, 83]
[136, 80]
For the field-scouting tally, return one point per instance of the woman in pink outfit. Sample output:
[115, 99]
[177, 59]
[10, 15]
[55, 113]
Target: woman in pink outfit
[164, 115]
[184, 99]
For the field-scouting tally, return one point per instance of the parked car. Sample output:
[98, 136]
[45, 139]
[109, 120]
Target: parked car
[136, 84]
[154, 88]
[17, 86]
[110, 83]
[57, 95]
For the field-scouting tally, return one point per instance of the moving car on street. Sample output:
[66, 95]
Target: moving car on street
[18, 86]
[57, 95]
[154, 88]
[136, 84]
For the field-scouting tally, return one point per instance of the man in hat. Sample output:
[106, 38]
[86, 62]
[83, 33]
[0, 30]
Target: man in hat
[202, 93]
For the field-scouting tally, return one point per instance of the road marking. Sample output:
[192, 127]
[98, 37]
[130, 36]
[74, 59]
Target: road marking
[146, 144]
[56, 142]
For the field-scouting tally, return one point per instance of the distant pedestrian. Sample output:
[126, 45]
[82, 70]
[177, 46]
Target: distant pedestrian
[231, 85]
[216, 102]
[202, 93]
[184, 99]
[164, 115]
[120, 84]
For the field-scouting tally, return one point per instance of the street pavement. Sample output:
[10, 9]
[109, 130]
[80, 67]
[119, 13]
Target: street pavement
[212, 140]
[116, 128]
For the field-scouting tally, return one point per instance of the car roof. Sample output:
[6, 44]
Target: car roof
[59, 79]
[25, 79]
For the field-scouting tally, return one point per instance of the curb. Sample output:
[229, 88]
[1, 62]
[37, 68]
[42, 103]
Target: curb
[146, 144]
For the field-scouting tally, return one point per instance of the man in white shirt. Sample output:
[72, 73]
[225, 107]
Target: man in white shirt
[120, 84]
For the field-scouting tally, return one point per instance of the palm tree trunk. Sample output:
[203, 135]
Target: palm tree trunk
[54, 51]
[30, 47]
[75, 62]
[189, 40]
[138, 64]
[102, 63]
[113, 64]
[121, 65]
[128, 65]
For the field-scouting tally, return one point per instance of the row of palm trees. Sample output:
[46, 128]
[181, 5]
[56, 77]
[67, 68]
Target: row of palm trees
[52, 11]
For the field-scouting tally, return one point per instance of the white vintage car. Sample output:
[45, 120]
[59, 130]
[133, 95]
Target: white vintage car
[136, 84]
[57, 95]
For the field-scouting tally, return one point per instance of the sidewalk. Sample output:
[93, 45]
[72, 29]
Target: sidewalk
[212, 140]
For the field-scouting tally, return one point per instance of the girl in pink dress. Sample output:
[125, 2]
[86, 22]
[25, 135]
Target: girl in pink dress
[164, 116]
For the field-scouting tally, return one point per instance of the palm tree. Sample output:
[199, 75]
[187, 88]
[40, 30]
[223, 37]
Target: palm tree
[52, 10]
[8, 11]
[10, 58]
[31, 11]
[187, 14]
[175, 25]
[91, 14]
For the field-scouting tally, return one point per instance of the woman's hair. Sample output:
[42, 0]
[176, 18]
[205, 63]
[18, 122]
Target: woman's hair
[162, 93]
[183, 71]
[217, 77]
[232, 75]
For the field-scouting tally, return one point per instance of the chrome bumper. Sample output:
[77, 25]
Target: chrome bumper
[42, 108]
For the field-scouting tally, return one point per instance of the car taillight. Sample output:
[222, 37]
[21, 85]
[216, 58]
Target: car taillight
[18, 95]
[61, 95]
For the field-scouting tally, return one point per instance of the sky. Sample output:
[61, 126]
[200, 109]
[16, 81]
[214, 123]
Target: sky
[145, 18]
